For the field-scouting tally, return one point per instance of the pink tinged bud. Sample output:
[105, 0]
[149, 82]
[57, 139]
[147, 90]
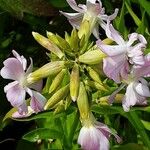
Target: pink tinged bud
[74, 82]
[45, 42]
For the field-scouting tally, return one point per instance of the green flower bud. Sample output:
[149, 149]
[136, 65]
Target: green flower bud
[51, 68]
[68, 101]
[94, 75]
[84, 29]
[96, 85]
[45, 42]
[74, 82]
[92, 57]
[74, 41]
[60, 108]
[57, 97]
[57, 81]
[82, 102]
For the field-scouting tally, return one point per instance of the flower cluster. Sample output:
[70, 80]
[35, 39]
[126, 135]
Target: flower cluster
[72, 71]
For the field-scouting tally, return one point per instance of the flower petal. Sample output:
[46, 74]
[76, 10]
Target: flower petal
[74, 6]
[37, 100]
[16, 95]
[24, 115]
[74, 18]
[10, 85]
[12, 69]
[111, 50]
[113, 34]
[22, 60]
[142, 89]
[89, 138]
[113, 67]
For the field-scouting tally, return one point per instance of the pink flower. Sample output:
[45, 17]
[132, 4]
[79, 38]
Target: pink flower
[95, 137]
[15, 68]
[137, 90]
[92, 11]
[116, 65]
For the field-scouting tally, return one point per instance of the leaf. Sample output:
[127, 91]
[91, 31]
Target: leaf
[139, 127]
[129, 146]
[42, 133]
[146, 124]
[133, 15]
[146, 5]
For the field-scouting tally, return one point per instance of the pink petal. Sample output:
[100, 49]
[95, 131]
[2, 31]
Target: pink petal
[114, 15]
[89, 138]
[113, 34]
[132, 38]
[37, 100]
[111, 50]
[24, 115]
[12, 69]
[10, 85]
[22, 60]
[16, 95]
[114, 67]
[75, 19]
[30, 68]
[142, 89]
[37, 86]
[74, 6]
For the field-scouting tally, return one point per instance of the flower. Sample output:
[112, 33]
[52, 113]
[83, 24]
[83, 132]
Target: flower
[92, 11]
[116, 65]
[137, 89]
[15, 68]
[95, 136]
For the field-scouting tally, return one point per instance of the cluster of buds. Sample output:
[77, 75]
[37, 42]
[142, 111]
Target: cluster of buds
[74, 71]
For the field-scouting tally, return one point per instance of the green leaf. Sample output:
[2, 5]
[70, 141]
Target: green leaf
[146, 5]
[139, 127]
[133, 15]
[42, 133]
[129, 146]
[146, 124]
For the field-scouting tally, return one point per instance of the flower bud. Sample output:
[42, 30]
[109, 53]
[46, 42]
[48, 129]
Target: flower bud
[92, 57]
[96, 85]
[74, 82]
[57, 81]
[57, 97]
[68, 101]
[60, 108]
[82, 102]
[84, 29]
[45, 42]
[46, 70]
[94, 75]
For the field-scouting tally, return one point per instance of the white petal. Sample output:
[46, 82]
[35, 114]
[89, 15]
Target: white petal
[113, 34]
[74, 6]
[142, 89]
[16, 95]
[12, 69]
